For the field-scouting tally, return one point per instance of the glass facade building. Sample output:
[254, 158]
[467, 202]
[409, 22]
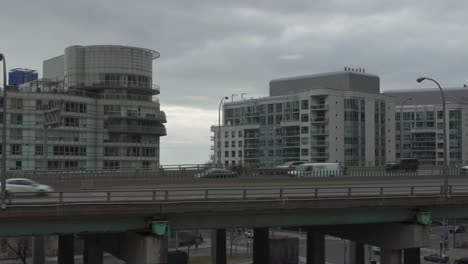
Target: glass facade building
[108, 117]
[306, 119]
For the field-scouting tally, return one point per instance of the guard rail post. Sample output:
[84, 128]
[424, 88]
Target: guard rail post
[316, 192]
[166, 195]
[108, 196]
[206, 194]
[381, 191]
[412, 190]
[281, 193]
[244, 194]
[154, 196]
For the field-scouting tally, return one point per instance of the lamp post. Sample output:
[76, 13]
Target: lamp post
[219, 130]
[419, 80]
[401, 126]
[4, 154]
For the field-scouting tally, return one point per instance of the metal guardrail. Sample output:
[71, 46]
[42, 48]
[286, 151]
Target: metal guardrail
[237, 194]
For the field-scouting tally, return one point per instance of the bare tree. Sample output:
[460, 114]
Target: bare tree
[234, 235]
[20, 247]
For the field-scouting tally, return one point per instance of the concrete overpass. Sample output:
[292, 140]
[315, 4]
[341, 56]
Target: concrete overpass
[361, 211]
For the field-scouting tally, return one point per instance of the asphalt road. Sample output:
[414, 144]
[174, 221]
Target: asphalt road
[291, 189]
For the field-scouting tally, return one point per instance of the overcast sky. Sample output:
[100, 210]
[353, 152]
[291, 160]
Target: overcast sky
[210, 49]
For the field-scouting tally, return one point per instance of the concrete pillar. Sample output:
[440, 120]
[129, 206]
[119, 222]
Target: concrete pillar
[356, 253]
[93, 253]
[144, 249]
[315, 247]
[38, 250]
[412, 256]
[218, 246]
[390, 256]
[261, 246]
[66, 249]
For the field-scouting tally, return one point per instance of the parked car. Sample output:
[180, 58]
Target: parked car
[464, 170]
[403, 165]
[457, 229]
[461, 261]
[435, 257]
[316, 169]
[216, 173]
[22, 185]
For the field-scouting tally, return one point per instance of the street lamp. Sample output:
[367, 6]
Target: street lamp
[4, 132]
[219, 130]
[419, 80]
[401, 126]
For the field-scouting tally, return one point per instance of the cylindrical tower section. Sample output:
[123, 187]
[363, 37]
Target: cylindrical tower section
[111, 68]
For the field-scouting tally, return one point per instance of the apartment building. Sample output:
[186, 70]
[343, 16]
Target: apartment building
[336, 117]
[94, 109]
[419, 125]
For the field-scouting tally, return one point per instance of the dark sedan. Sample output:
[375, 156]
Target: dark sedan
[436, 258]
[216, 173]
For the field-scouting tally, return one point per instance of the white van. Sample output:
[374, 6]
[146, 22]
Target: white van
[316, 169]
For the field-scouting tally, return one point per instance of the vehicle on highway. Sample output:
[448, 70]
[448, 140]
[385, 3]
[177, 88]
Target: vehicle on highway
[290, 165]
[403, 165]
[23, 185]
[216, 173]
[461, 261]
[464, 170]
[376, 250]
[316, 169]
[435, 257]
[457, 229]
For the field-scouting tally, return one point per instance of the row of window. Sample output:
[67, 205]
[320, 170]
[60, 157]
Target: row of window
[129, 152]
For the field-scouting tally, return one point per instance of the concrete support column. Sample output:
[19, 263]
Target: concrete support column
[38, 250]
[261, 246]
[315, 247]
[66, 249]
[218, 246]
[390, 256]
[412, 256]
[93, 253]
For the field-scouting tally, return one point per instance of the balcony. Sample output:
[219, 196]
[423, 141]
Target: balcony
[157, 130]
[322, 119]
[97, 85]
[319, 132]
[290, 123]
[319, 143]
[133, 115]
[319, 107]
[319, 155]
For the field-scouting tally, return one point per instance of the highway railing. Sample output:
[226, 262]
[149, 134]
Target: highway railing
[236, 194]
[74, 180]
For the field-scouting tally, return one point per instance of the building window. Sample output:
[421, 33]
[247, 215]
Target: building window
[18, 165]
[16, 119]
[112, 110]
[304, 152]
[16, 133]
[71, 121]
[304, 130]
[145, 164]
[239, 143]
[226, 144]
[239, 133]
[304, 104]
[16, 149]
[226, 134]
[304, 118]
[304, 141]
[111, 164]
[111, 151]
[440, 114]
[38, 150]
[233, 154]
[239, 154]
[226, 154]
[16, 103]
[233, 134]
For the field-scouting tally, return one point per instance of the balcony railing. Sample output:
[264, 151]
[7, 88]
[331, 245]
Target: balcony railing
[319, 119]
[137, 129]
[319, 107]
[319, 132]
[161, 116]
[114, 84]
[319, 143]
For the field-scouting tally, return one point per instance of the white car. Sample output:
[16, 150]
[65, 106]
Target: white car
[22, 185]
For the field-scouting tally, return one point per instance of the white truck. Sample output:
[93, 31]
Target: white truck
[318, 169]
